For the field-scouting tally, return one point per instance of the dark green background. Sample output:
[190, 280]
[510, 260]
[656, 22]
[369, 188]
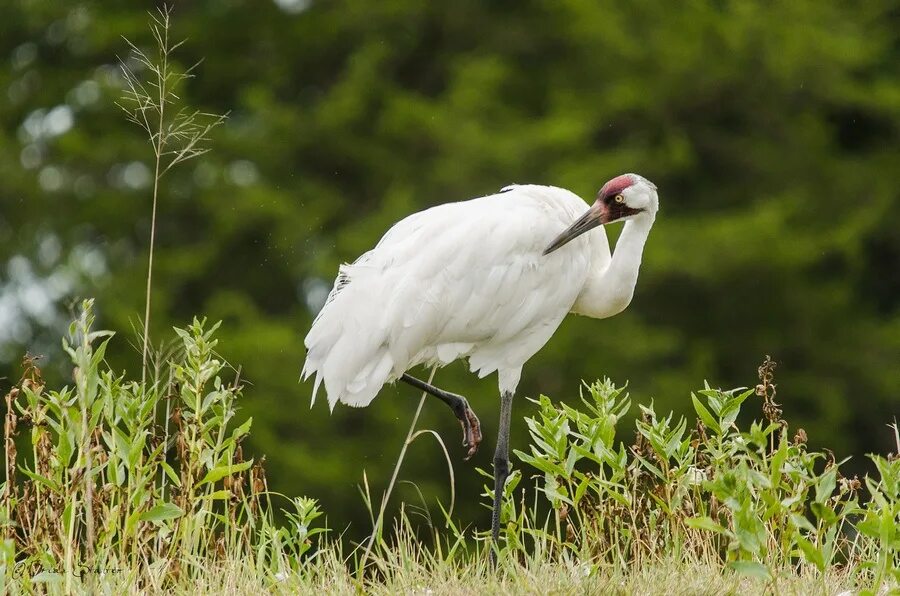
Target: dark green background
[771, 129]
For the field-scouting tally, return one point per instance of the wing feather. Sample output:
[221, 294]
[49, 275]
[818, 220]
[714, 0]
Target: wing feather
[458, 280]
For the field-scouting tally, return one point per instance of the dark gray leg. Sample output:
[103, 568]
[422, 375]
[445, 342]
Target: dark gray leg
[467, 418]
[501, 470]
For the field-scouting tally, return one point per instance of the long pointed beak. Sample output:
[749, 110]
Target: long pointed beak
[594, 217]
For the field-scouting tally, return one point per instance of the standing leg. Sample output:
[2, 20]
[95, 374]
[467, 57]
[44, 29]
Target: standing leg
[459, 405]
[501, 469]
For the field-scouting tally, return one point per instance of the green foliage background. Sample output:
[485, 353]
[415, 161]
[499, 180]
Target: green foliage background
[771, 130]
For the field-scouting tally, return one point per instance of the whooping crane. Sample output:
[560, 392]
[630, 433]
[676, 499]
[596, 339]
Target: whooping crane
[489, 280]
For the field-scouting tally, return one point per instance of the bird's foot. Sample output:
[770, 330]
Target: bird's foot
[471, 430]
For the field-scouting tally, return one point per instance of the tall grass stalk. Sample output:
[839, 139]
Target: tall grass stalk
[174, 133]
[411, 436]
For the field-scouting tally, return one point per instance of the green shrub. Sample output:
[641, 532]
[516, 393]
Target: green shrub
[753, 500]
[146, 479]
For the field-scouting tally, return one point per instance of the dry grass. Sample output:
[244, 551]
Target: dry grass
[329, 575]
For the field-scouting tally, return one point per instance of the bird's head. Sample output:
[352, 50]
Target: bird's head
[628, 196]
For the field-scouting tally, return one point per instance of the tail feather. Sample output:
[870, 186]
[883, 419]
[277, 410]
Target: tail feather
[315, 391]
[347, 344]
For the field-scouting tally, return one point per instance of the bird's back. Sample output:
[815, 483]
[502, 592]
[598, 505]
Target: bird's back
[458, 280]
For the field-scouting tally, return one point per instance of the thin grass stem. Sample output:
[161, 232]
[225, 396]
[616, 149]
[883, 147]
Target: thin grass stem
[376, 531]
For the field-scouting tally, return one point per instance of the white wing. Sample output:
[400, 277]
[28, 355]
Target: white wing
[457, 280]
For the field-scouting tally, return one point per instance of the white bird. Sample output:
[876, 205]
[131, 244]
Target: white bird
[490, 280]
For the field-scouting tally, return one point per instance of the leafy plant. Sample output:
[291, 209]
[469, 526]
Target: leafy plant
[752, 500]
[880, 523]
[108, 486]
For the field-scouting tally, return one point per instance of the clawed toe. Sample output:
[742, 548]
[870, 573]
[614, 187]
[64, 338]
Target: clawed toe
[471, 432]
[460, 407]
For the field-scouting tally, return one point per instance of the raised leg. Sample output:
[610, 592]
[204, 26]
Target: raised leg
[467, 418]
[501, 470]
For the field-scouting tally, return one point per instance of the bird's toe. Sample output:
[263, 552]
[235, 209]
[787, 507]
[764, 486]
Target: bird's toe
[466, 432]
[473, 436]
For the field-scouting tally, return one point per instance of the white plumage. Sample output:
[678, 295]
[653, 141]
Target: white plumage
[471, 280]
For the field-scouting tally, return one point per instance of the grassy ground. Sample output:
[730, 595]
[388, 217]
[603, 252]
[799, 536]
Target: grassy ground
[331, 576]
[142, 486]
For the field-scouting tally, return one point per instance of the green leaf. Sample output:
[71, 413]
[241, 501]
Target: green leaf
[136, 449]
[555, 496]
[48, 577]
[100, 352]
[582, 488]
[823, 512]
[64, 448]
[751, 568]
[811, 553]
[748, 538]
[705, 416]
[544, 465]
[825, 485]
[869, 527]
[662, 504]
[48, 482]
[242, 429]
[131, 522]
[650, 467]
[732, 408]
[571, 460]
[777, 461]
[123, 444]
[67, 514]
[170, 473]
[220, 472]
[162, 512]
[801, 522]
[705, 523]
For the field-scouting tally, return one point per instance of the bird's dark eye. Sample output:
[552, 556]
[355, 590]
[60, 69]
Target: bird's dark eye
[620, 199]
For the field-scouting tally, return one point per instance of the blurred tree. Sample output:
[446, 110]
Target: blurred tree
[771, 130]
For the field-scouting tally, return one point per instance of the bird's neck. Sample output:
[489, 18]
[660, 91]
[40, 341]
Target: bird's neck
[609, 291]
